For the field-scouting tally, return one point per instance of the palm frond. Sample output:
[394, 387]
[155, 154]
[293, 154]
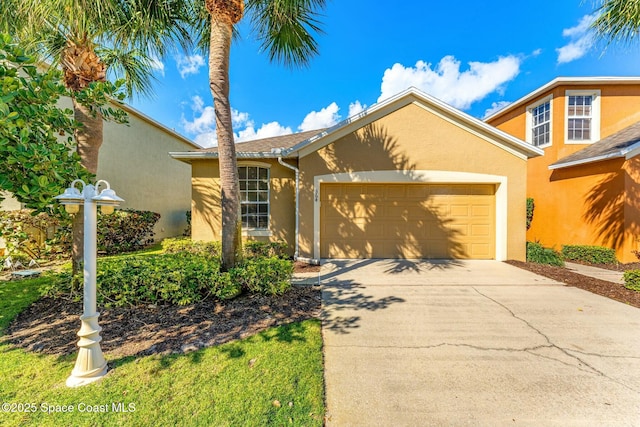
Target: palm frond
[133, 66]
[618, 20]
[286, 28]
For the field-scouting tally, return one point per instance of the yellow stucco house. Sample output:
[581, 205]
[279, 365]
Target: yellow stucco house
[410, 177]
[586, 186]
[134, 160]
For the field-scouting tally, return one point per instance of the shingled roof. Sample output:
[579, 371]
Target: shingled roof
[266, 145]
[617, 145]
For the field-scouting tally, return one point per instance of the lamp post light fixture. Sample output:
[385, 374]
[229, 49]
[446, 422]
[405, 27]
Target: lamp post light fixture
[90, 365]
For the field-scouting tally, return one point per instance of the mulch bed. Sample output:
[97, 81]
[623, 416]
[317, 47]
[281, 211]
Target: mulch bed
[50, 325]
[601, 287]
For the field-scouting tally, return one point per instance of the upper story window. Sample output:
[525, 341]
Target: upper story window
[254, 197]
[583, 116]
[539, 124]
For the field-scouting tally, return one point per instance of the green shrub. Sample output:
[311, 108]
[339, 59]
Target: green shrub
[632, 280]
[178, 278]
[181, 244]
[251, 249]
[126, 230]
[541, 255]
[271, 276]
[265, 249]
[589, 254]
[530, 207]
[28, 234]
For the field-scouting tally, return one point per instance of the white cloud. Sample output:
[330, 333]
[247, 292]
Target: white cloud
[445, 81]
[581, 40]
[355, 108]
[495, 107]
[203, 125]
[157, 64]
[536, 52]
[189, 64]
[206, 140]
[324, 118]
[266, 131]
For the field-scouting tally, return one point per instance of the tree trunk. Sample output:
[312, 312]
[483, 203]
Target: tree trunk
[89, 139]
[220, 46]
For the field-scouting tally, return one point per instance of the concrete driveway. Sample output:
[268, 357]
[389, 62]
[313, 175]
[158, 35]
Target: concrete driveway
[474, 343]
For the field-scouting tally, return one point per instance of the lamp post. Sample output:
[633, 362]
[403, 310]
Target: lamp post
[90, 365]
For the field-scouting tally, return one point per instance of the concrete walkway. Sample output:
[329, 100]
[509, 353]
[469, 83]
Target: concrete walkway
[598, 273]
[413, 343]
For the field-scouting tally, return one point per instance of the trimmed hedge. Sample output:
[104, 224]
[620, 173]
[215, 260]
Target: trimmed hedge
[188, 273]
[541, 255]
[250, 249]
[632, 280]
[589, 254]
[178, 245]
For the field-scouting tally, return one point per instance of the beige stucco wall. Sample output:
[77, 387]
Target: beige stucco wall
[415, 139]
[135, 160]
[206, 223]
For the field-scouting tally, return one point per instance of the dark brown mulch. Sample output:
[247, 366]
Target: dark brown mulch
[50, 325]
[303, 267]
[614, 267]
[601, 287]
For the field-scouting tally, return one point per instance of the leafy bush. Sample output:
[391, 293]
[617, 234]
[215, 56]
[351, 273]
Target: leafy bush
[265, 249]
[632, 280]
[181, 279]
[250, 249]
[30, 235]
[186, 276]
[530, 207]
[178, 245]
[271, 276]
[187, 231]
[126, 230]
[541, 255]
[589, 254]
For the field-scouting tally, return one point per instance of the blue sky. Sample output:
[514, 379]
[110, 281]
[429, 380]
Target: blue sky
[476, 56]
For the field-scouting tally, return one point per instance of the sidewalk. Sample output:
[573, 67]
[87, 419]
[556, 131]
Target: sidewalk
[598, 273]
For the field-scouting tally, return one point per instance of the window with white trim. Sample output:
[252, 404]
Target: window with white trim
[539, 126]
[583, 116]
[254, 197]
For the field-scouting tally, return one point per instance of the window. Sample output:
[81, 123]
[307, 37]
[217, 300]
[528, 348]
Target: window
[254, 197]
[539, 127]
[583, 117]
[541, 124]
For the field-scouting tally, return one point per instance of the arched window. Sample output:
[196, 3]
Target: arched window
[254, 197]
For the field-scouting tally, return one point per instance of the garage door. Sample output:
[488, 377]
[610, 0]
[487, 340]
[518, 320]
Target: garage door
[407, 221]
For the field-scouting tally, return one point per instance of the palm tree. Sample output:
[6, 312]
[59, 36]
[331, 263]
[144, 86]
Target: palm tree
[285, 29]
[90, 40]
[618, 20]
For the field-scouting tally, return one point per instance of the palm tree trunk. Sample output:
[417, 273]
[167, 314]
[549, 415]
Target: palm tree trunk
[89, 138]
[220, 46]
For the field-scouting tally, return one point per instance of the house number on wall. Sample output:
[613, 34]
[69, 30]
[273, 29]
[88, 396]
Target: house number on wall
[317, 195]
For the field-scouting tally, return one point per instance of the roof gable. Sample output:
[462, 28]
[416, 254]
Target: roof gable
[414, 96]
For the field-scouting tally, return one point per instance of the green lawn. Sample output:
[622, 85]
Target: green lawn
[233, 384]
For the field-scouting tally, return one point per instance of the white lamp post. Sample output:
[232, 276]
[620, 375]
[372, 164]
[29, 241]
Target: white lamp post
[90, 364]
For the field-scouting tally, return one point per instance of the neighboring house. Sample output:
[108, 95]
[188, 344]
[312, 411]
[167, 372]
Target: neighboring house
[586, 187]
[134, 160]
[410, 177]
